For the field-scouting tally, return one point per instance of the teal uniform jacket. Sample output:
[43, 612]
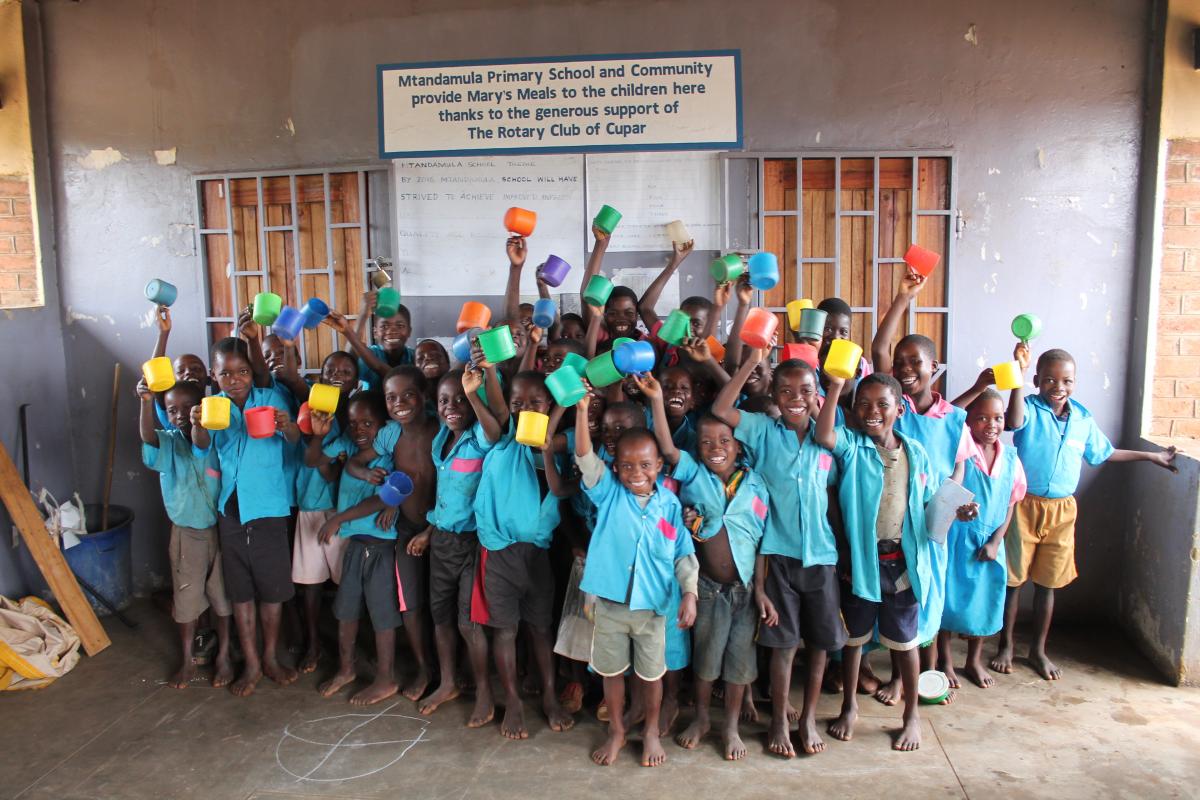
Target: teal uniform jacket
[190, 479]
[254, 468]
[313, 492]
[352, 491]
[458, 476]
[743, 517]
[509, 507]
[1053, 451]
[373, 379]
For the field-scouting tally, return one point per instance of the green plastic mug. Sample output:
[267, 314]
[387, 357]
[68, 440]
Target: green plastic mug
[676, 327]
[1026, 327]
[812, 324]
[606, 219]
[497, 344]
[597, 291]
[601, 371]
[566, 386]
[387, 302]
[266, 307]
[727, 268]
[574, 361]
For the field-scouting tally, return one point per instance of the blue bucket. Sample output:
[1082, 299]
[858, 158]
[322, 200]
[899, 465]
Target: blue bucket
[102, 559]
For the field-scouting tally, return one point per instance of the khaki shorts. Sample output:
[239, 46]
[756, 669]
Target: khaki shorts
[196, 574]
[313, 562]
[617, 629]
[1040, 542]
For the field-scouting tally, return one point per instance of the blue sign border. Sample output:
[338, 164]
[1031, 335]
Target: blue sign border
[609, 148]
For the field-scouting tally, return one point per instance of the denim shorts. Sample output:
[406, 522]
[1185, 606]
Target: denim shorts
[726, 620]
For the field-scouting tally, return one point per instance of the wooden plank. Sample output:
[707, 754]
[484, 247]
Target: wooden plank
[858, 173]
[49, 558]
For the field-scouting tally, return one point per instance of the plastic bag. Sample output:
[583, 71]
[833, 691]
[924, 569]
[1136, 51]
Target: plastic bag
[65, 522]
[575, 629]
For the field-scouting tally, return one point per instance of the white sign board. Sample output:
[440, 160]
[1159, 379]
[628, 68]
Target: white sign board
[661, 101]
[450, 221]
[653, 189]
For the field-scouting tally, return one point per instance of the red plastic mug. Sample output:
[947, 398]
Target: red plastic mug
[260, 422]
[921, 260]
[759, 328]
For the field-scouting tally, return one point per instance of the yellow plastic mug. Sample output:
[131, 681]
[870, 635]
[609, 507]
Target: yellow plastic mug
[1008, 375]
[531, 428]
[159, 374]
[793, 311]
[842, 359]
[214, 413]
[323, 397]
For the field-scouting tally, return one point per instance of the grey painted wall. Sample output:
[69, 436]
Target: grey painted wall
[1044, 114]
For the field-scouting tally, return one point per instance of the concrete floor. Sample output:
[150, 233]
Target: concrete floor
[112, 729]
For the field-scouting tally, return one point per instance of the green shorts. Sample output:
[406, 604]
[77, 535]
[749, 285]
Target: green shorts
[618, 630]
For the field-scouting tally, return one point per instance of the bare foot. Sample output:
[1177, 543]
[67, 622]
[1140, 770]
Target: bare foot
[666, 718]
[483, 712]
[868, 681]
[793, 716]
[979, 676]
[810, 740]
[224, 674]
[779, 739]
[692, 735]
[749, 712]
[332, 686]
[606, 755]
[831, 682]
[1002, 663]
[842, 728]
[952, 676]
[309, 662]
[948, 699]
[632, 717]
[531, 684]
[244, 686]
[1044, 666]
[444, 694]
[558, 719]
[735, 749]
[378, 690]
[910, 736]
[653, 754]
[181, 679]
[284, 676]
[571, 697]
[889, 693]
[416, 687]
[513, 725]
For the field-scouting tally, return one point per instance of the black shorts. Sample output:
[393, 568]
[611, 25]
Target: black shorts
[518, 585]
[897, 612]
[369, 576]
[452, 559]
[808, 604]
[412, 572]
[255, 559]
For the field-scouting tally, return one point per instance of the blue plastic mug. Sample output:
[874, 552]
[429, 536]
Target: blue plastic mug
[395, 489]
[461, 348]
[288, 324]
[764, 271]
[544, 312]
[314, 311]
[634, 357]
[160, 292]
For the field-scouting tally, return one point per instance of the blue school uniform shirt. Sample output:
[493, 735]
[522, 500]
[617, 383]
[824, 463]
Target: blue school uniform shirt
[1053, 453]
[743, 516]
[509, 507]
[797, 477]
[254, 468]
[313, 492]
[352, 491]
[859, 491]
[631, 556]
[458, 477]
[940, 430]
[372, 378]
[190, 479]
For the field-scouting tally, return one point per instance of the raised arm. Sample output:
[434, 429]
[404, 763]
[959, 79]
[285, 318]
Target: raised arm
[881, 345]
[985, 379]
[724, 406]
[496, 401]
[697, 350]
[517, 250]
[147, 419]
[662, 429]
[559, 486]
[1014, 415]
[733, 347]
[252, 333]
[472, 381]
[533, 336]
[826, 433]
[340, 324]
[583, 434]
[314, 451]
[162, 315]
[201, 438]
[646, 305]
[370, 298]
[289, 376]
[591, 337]
[721, 293]
[593, 267]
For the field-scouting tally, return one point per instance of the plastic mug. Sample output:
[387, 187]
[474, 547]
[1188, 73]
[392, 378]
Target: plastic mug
[387, 301]
[324, 398]
[545, 311]
[565, 386]
[634, 357]
[214, 413]
[812, 324]
[461, 348]
[574, 361]
[531, 428]
[606, 219]
[1026, 327]
[554, 271]
[842, 359]
[1008, 375]
[759, 327]
[395, 489]
[802, 352]
[678, 232]
[160, 292]
[260, 422]
[520, 221]
[716, 348]
[601, 371]
[266, 307]
[473, 315]
[727, 268]
[497, 344]
[597, 291]
[676, 327]
[794, 309]
[304, 419]
[159, 374]
[288, 324]
[314, 311]
[921, 260]
[764, 271]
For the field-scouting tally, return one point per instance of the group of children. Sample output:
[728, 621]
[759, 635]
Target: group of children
[705, 508]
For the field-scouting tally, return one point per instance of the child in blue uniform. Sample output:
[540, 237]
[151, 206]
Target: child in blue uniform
[1054, 434]
[796, 587]
[638, 552]
[725, 508]
[976, 573]
[391, 341]
[190, 485]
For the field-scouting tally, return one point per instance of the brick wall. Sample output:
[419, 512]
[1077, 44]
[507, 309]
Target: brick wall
[1176, 409]
[20, 273]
